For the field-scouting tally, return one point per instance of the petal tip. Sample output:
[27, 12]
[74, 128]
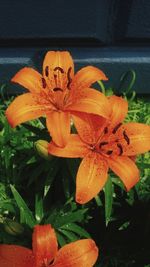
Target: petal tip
[82, 198]
[17, 75]
[9, 119]
[129, 187]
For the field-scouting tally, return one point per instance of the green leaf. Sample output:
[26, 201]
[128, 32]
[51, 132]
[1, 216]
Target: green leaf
[70, 235]
[61, 239]
[131, 197]
[7, 206]
[76, 229]
[59, 218]
[39, 206]
[108, 200]
[124, 226]
[26, 215]
[98, 201]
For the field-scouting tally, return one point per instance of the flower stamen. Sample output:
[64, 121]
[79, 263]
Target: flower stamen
[103, 144]
[69, 78]
[105, 130]
[56, 89]
[43, 83]
[126, 137]
[47, 71]
[109, 152]
[120, 149]
[59, 68]
[116, 128]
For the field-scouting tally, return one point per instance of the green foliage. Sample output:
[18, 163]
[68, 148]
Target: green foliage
[109, 193]
[36, 191]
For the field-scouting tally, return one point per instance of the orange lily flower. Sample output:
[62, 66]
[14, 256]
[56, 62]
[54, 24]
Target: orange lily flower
[45, 252]
[104, 144]
[56, 94]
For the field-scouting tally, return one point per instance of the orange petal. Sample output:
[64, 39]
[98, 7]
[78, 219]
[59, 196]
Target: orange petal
[91, 177]
[90, 101]
[89, 126]
[58, 124]
[44, 245]
[77, 254]
[24, 108]
[138, 141]
[86, 76]
[15, 256]
[29, 78]
[74, 148]
[58, 69]
[119, 108]
[126, 169]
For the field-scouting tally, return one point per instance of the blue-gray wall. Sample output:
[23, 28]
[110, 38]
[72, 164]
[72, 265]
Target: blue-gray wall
[113, 35]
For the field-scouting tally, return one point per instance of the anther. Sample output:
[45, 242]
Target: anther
[69, 78]
[59, 68]
[109, 152]
[55, 78]
[43, 83]
[103, 144]
[126, 137]
[120, 149]
[116, 128]
[105, 130]
[46, 71]
[57, 89]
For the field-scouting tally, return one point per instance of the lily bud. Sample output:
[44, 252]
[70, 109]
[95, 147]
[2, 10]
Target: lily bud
[41, 146]
[13, 228]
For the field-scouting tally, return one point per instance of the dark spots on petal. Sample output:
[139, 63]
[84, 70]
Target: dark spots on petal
[105, 130]
[43, 83]
[55, 78]
[56, 89]
[116, 128]
[103, 144]
[120, 149]
[109, 152]
[126, 137]
[59, 68]
[69, 77]
[47, 71]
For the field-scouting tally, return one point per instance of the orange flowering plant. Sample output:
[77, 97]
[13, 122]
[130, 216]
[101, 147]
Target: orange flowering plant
[104, 144]
[45, 252]
[85, 125]
[56, 94]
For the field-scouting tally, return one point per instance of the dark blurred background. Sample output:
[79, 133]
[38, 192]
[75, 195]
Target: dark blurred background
[113, 35]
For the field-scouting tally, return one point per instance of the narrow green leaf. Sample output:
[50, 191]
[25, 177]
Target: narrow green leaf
[39, 206]
[26, 215]
[124, 226]
[98, 201]
[61, 239]
[70, 235]
[108, 200]
[70, 217]
[76, 229]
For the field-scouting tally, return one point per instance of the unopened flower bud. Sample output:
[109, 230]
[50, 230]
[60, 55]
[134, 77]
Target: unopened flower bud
[41, 147]
[13, 228]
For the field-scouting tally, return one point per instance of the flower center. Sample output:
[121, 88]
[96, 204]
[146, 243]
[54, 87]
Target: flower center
[113, 141]
[56, 84]
[46, 263]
